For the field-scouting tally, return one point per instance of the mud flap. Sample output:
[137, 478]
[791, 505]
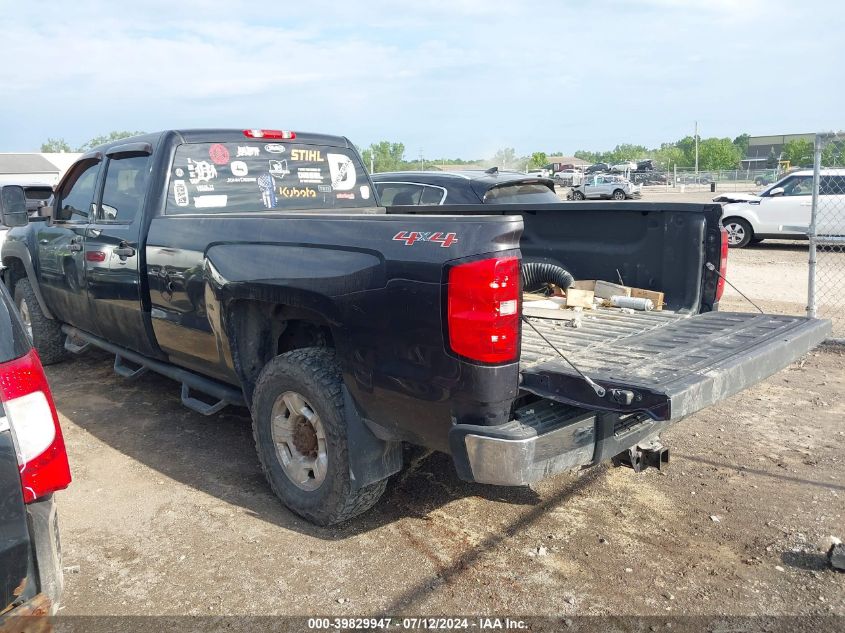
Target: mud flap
[370, 459]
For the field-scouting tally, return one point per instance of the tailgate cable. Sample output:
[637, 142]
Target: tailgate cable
[600, 391]
[709, 266]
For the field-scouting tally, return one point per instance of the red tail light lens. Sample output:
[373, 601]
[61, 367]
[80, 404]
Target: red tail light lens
[723, 263]
[483, 310]
[32, 418]
[271, 134]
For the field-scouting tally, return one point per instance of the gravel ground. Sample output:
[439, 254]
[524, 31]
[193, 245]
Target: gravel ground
[170, 514]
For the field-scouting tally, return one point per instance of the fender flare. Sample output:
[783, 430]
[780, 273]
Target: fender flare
[19, 251]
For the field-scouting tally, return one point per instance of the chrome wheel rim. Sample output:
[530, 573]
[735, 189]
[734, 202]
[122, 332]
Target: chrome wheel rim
[736, 233]
[300, 441]
[619, 196]
[26, 318]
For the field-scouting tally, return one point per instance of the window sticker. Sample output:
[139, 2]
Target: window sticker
[342, 171]
[279, 168]
[310, 155]
[200, 171]
[239, 168]
[210, 202]
[180, 193]
[313, 175]
[218, 154]
[267, 187]
[274, 148]
[365, 192]
[249, 150]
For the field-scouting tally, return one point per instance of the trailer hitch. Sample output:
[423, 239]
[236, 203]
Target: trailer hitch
[645, 455]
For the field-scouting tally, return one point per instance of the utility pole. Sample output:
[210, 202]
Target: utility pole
[372, 169]
[696, 152]
[421, 159]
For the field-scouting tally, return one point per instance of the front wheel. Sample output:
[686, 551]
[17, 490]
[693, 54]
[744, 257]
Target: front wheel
[300, 434]
[739, 231]
[618, 194]
[578, 195]
[46, 334]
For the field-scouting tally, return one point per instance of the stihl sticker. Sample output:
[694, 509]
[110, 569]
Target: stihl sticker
[444, 239]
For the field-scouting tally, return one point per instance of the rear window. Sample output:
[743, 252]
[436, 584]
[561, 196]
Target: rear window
[521, 193]
[261, 176]
[38, 193]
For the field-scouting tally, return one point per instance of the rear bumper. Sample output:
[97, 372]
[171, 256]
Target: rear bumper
[544, 439]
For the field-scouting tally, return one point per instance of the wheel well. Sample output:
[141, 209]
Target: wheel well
[15, 271]
[259, 331]
[735, 217]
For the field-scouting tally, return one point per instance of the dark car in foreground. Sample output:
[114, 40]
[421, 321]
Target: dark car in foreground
[33, 465]
[399, 188]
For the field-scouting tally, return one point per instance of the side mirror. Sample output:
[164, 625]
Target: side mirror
[777, 191]
[13, 206]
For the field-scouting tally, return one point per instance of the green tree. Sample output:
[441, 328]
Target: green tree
[799, 152]
[55, 145]
[106, 138]
[585, 155]
[385, 156]
[833, 154]
[538, 160]
[505, 158]
[718, 153]
[741, 142]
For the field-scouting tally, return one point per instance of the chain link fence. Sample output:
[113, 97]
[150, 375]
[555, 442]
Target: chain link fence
[826, 288]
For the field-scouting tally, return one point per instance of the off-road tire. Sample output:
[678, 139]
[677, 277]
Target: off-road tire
[314, 373]
[47, 336]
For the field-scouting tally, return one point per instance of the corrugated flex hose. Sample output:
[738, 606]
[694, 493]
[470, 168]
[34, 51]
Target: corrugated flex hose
[535, 275]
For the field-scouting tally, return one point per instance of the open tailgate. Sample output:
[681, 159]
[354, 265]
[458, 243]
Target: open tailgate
[667, 366]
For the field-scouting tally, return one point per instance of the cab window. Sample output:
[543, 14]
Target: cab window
[77, 194]
[123, 192]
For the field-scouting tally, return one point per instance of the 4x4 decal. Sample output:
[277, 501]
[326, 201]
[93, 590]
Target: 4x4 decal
[445, 240]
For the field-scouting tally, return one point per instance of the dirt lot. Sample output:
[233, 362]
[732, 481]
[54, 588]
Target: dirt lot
[170, 514]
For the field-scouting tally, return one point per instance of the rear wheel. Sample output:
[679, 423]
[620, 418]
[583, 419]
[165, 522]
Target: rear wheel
[300, 435]
[46, 334]
[618, 194]
[739, 232]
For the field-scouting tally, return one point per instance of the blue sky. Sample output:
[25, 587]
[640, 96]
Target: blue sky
[456, 78]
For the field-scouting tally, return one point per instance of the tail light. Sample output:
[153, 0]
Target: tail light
[723, 263]
[271, 134]
[35, 427]
[483, 310]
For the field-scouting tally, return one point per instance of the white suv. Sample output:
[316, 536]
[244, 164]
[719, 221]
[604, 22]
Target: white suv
[782, 210]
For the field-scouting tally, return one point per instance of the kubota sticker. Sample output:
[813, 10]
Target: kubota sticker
[412, 237]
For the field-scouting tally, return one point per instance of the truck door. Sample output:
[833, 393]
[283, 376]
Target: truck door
[60, 243]
[112, 252]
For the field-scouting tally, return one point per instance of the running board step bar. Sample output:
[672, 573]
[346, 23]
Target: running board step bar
[75, 346]
[221, 394]
[128, 371]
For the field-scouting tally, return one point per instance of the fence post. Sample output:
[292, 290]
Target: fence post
[811, 233]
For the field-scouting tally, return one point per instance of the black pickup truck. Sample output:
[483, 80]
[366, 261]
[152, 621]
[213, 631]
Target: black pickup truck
[257, 268]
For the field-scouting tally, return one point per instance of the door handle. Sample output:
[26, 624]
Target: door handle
[124, 250]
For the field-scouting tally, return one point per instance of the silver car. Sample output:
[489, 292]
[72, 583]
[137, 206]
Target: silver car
[609, 187]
